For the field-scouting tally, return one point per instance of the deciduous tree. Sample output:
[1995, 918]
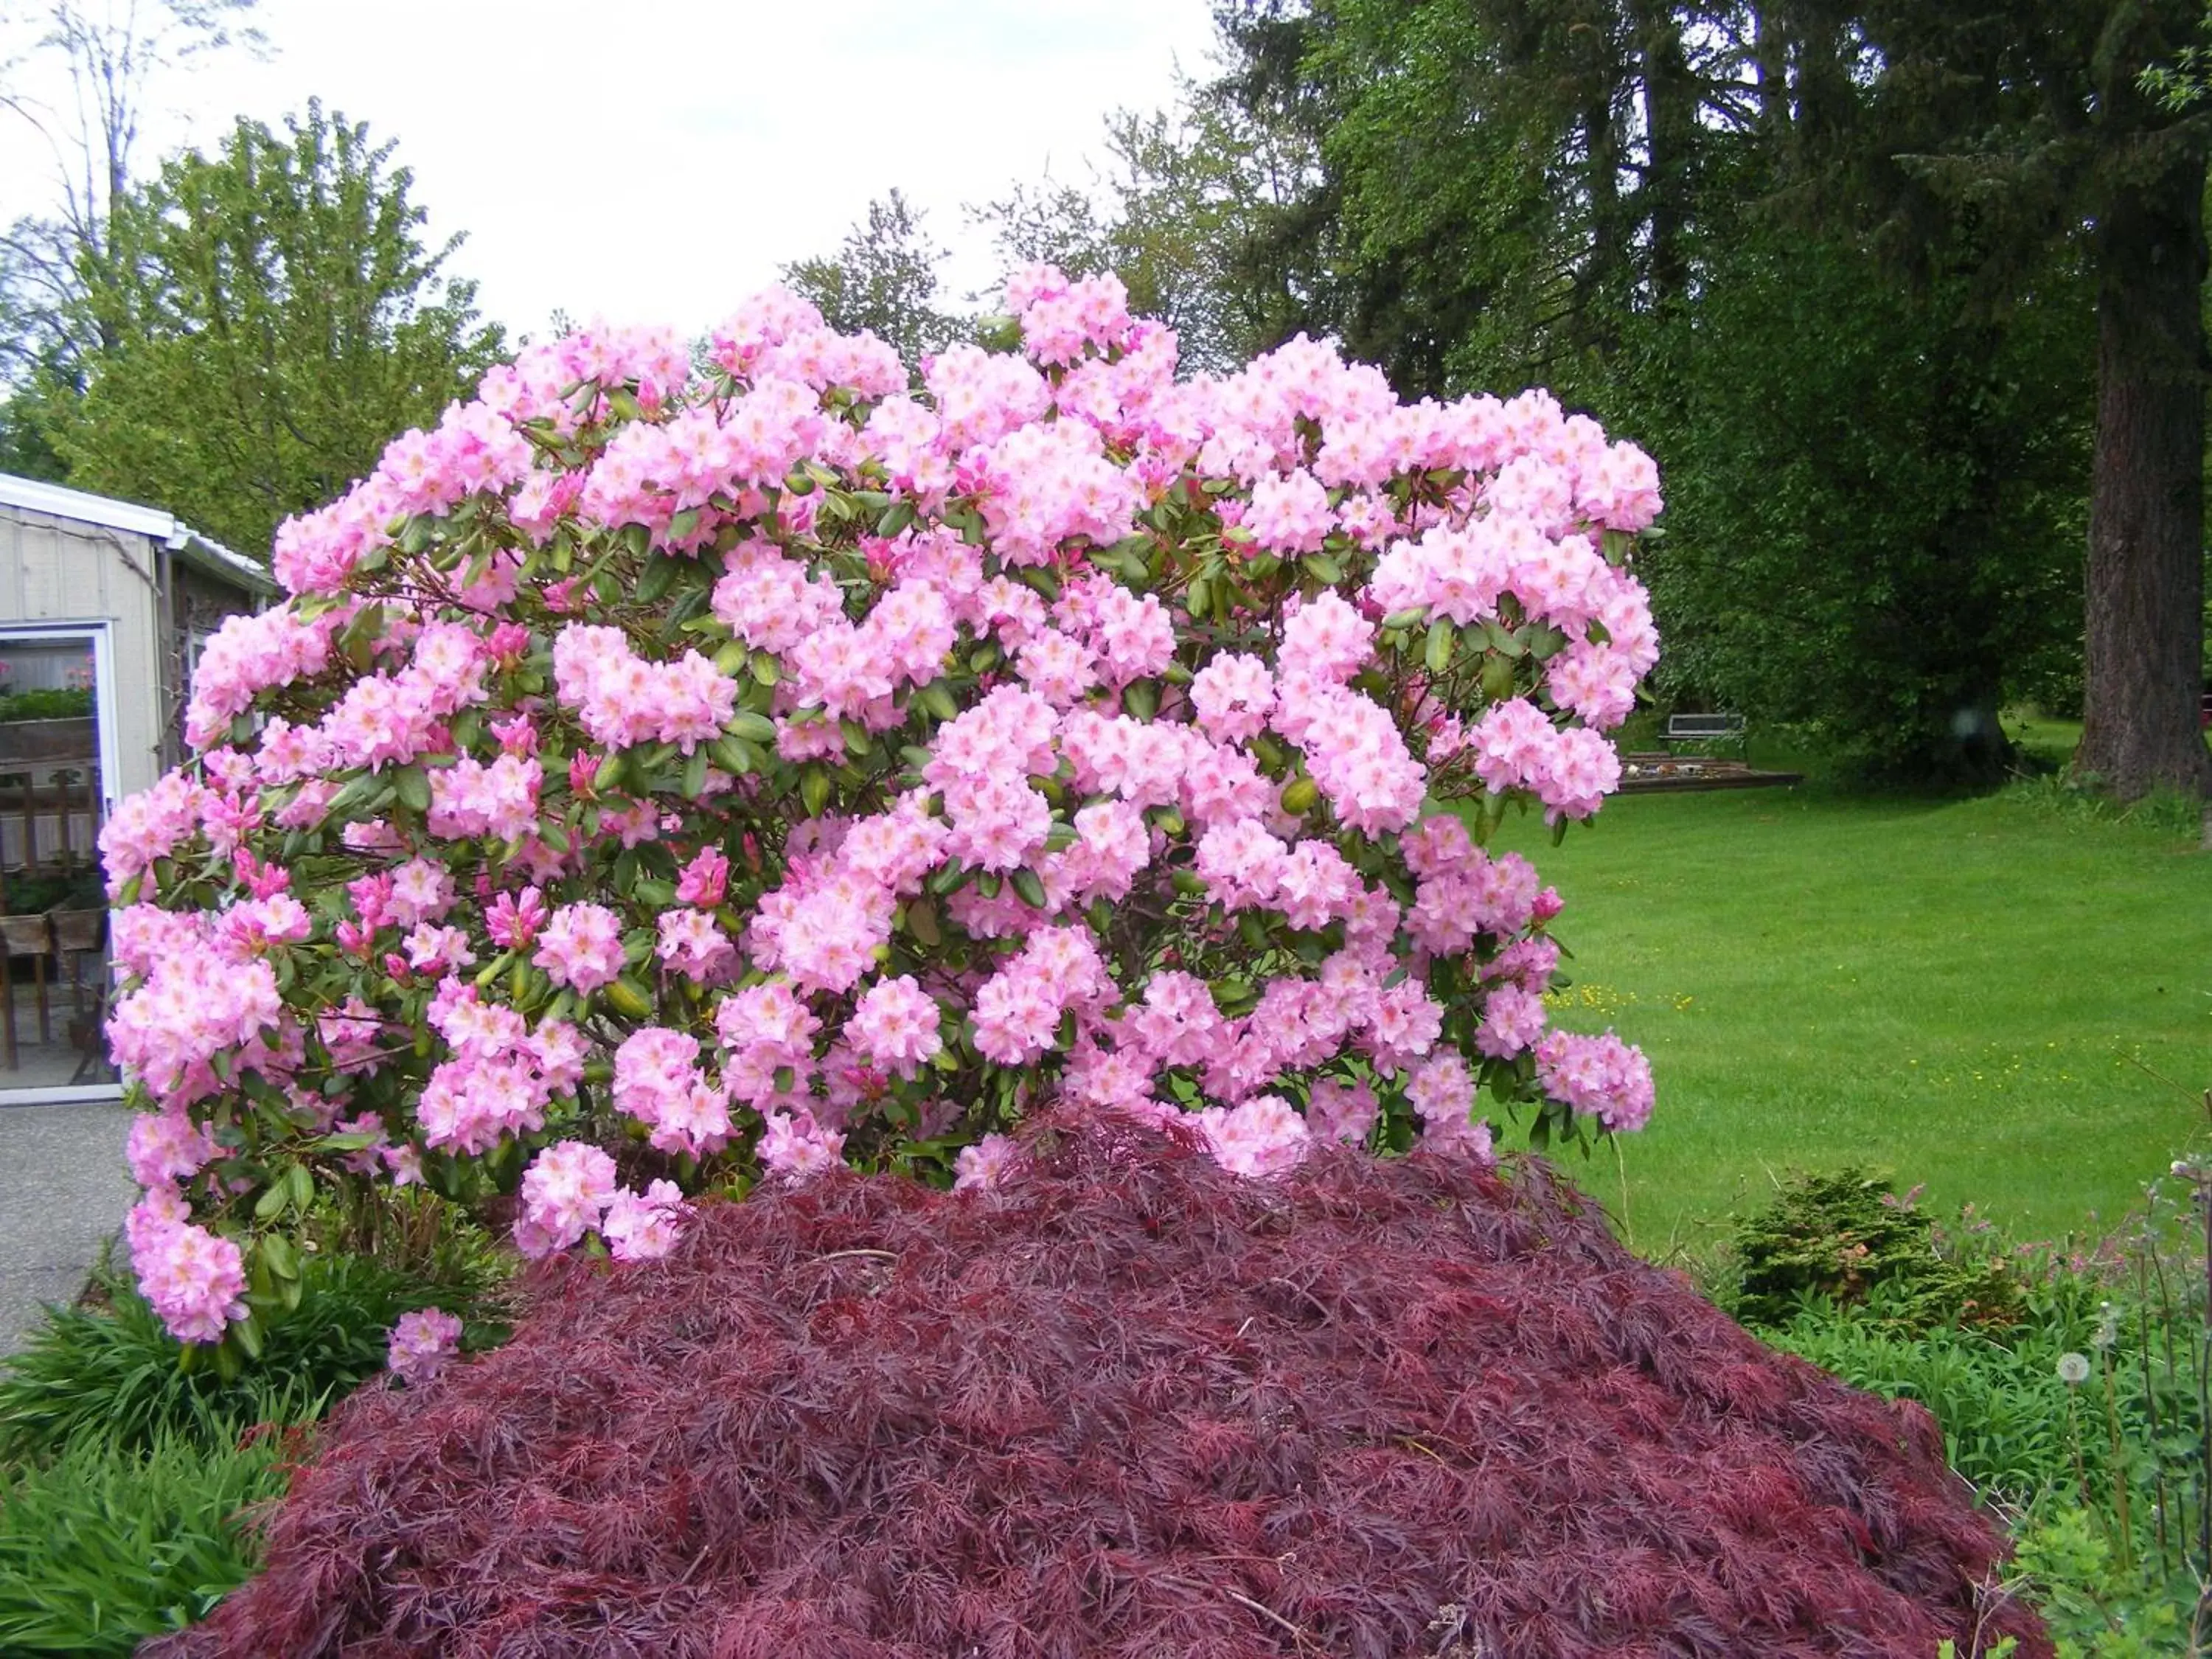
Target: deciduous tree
[272, 318]
[883, 279]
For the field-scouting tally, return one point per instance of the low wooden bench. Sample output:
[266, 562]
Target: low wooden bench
[1705, 729]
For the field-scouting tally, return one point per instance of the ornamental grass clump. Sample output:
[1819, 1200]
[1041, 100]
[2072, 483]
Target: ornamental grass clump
[1127, 1403]
[665, 776]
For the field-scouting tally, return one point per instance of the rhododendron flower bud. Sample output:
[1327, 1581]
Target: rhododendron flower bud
[705, 880]
[514, 920]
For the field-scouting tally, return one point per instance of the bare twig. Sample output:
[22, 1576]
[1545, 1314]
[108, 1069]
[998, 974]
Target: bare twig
[1305, 1638]
[1268, 1612]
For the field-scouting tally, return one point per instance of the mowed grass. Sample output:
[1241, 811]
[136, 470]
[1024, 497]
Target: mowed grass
[1965, 993]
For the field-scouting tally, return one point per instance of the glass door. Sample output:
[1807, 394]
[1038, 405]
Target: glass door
[57, 787]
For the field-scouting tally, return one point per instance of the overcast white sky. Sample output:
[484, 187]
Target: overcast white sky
[654, 160]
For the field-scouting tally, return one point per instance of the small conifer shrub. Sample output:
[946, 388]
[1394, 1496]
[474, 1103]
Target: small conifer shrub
[1126, 1403]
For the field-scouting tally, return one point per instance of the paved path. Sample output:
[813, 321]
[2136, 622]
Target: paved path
[63, 1190]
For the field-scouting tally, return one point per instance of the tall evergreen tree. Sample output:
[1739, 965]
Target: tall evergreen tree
[1573, 192]
[2023, 124]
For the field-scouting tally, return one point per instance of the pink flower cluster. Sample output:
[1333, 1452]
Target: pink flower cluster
[1264, 1136]
[422, 1344]
[499, 1075]
[195, 1280]
[569, 1189]
[1600, 1075]
[1571, 771]
[621, 698]
[204, 992]
[759, 763]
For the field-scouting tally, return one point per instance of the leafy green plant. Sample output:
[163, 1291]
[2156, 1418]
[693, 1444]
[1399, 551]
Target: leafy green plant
[2095, 1603]
[112, 1374]
[2003, 1408]
[1846, 1235]
[57, 702]
[110, 1543]
[2084, 1414]
[64, 884]
[2067, 798]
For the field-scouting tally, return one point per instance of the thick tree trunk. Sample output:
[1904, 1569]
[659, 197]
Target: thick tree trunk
[1670, 127]
[2144, 673]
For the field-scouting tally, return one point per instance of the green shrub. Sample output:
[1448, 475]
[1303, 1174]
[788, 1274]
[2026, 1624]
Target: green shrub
[2097, 1605]
[1848, 1238]
[1642, 732]
[2082, 1414]
[112, 1373]
[2060, 795]
[65, 884]
[1999, 1401]
[56, 703]
[109, 1544]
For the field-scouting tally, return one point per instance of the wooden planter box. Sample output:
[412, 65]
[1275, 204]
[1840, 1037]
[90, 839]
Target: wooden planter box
[32, 743]
[25, 936]
[76, 930]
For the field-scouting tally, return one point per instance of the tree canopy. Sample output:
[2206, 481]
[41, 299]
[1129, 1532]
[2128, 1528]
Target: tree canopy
[884, 279]
[272, 317]
[1905, 296]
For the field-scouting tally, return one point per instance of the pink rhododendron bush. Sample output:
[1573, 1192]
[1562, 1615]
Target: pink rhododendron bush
[679, 770]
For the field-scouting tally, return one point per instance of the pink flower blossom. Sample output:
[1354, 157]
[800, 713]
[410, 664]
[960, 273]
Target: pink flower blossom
[422, 1344]
[645, 1227]
[581, 947]
[1600, 1075]
[796, 1147]
[195, 1280]
[565, 1192]
[895, 1026]
[980, 778]
[986, 1165]
[1262, 1137]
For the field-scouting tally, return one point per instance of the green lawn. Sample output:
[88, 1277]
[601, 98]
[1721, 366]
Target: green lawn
[1957, 992]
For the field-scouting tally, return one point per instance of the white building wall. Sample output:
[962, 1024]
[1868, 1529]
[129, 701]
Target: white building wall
[63, 570]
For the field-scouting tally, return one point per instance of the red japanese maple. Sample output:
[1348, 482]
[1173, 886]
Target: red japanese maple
[1128, 1405]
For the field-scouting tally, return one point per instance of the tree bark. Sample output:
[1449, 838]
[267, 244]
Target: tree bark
[2144, 673]
[1670, 129]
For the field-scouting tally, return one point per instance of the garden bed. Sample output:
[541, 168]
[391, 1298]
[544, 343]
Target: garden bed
[1645, 774]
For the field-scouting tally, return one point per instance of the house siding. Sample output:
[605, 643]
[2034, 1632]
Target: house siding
[62, 570]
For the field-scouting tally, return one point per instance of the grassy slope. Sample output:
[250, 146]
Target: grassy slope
[1955, 991]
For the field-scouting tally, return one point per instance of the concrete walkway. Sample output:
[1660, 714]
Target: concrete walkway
[63, 1189]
